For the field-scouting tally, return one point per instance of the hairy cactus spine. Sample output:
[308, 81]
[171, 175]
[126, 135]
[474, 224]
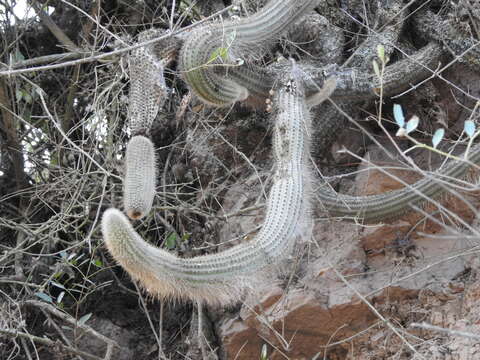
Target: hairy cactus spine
[139, 184]
[208, 59]
[219, 278]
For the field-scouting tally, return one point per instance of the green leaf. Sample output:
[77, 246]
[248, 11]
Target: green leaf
[412, 124]
[376, 69]
[18, 56]
[57, 285]
[19, 95]
[27, 97]
[469, 128]
[186, 236]
[437, 137]
[44, 297]
[263, 354]
[84, 319]
[231, 37]
[98, 263]
[398, 115]
[218, 53]
[60, 297]
[381, 52]
[171, 241]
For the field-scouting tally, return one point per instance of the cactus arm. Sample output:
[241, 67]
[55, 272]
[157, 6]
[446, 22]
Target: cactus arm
[352, 83]
[209, 78]
[458, 41]
[400, 76]
[222, 81]
[148, 89]
[139, 183]
[374, 208]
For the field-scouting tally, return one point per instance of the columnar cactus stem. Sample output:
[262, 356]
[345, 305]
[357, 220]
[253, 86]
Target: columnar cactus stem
[209, 57]
[375, 208]
[219, 278]
[147, 85]
[139, 183]
[352, 83]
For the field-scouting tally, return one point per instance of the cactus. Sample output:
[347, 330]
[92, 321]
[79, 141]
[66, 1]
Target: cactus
[220, 278]
[209, 64]
[375, 208]
[148, 90]
[209, 57]
[139, 184]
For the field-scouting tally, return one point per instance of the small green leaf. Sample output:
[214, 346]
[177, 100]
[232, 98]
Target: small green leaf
[437, 137]
[264, 354]
[231, 36]
[218, 53]
[18, 56]
[398, 115]
[60, 297]
[381, 52]
[57, 285]
[412, 124]
[44, 297]
[19, 95]
[171, 241]
[27, 97]
[469, 128]
[376, 69]
[84, 318]
[98, 263]
[186, 236]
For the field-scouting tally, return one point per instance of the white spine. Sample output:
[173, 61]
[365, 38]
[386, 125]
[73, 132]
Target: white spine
[139, 184]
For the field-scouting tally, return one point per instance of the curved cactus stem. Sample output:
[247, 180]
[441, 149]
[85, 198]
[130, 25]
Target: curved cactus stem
[210, 56]
[375, 208]
[220, 278]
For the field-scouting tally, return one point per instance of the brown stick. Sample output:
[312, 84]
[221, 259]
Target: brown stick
[50, 343]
